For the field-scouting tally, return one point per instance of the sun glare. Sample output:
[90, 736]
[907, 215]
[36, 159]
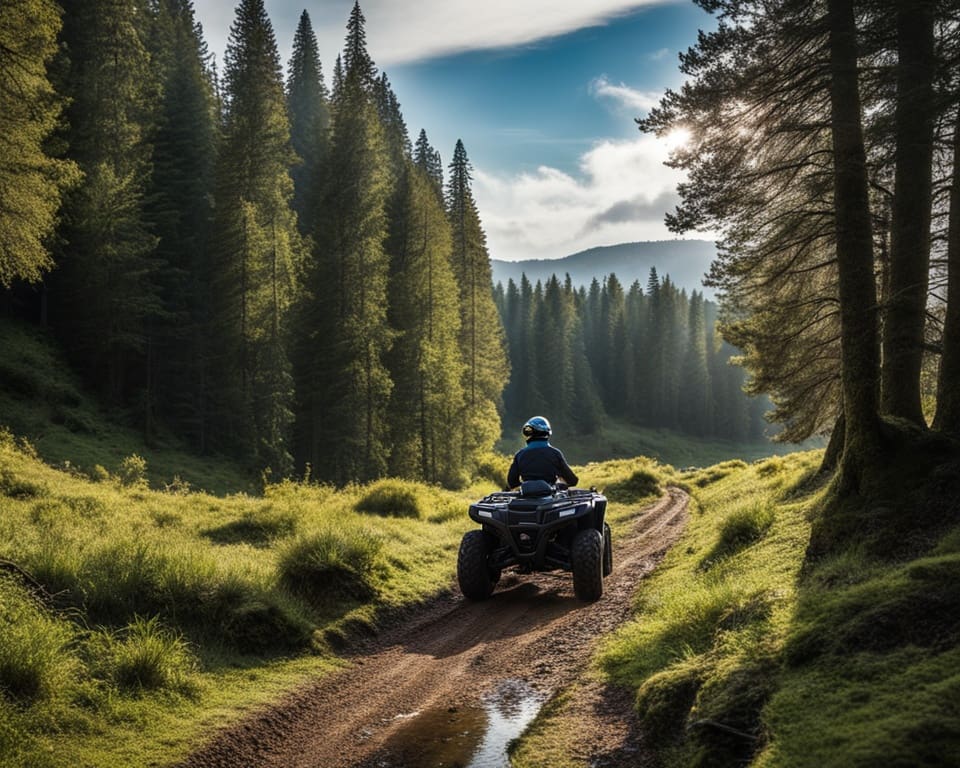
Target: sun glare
[677, 139]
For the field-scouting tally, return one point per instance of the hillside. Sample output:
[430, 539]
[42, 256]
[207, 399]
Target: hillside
[774, 636]
[685, 261]
[44, 401]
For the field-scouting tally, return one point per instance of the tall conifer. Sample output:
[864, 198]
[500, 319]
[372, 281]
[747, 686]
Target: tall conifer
[426, 364]
[258, 249]
[309, 115]
[105, 292]
[344, 383]
[481, 331]
[180, 213]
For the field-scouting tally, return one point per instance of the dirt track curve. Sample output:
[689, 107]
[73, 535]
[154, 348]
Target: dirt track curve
[446, 658]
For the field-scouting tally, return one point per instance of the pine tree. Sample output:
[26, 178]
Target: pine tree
[425, 363]
[481, 332]
[357, 63]
[906, 304]
[344, 385]
[947, 417]
[309, 120]
[555, 336]
[105, 293]
[255, 275]
[427, 159]
[180, 214]
[32, 182]
[696, 415]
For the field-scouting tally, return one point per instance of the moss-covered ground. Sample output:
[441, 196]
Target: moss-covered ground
[752, 647]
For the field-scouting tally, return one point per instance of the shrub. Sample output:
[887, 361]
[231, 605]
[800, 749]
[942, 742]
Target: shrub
[178, 486]
[99, 474]
[258, 621]
[447, 509]
[397, 498]
[493, 467]
[35, 660]
[331, 564]
[133, 471]
[17, 488]
[771, 466]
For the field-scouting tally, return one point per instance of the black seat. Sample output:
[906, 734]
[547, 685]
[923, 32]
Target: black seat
[533, 489]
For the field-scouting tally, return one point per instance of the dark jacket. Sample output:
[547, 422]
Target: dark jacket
[539, 461]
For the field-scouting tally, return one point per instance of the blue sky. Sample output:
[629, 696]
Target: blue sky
[543, 95]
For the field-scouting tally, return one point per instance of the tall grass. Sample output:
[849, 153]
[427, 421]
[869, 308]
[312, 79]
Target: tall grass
[332, 564]
[142, 656]
[36, 658]
[712, 617]
[166, 605]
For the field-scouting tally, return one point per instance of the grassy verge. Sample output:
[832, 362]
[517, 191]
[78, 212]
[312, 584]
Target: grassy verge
[747, 649]
[133, 619]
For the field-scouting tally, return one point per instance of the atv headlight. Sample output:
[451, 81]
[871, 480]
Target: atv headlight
[484, 513]
[567, 512]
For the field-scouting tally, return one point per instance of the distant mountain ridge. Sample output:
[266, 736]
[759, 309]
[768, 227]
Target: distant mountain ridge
[685, 261]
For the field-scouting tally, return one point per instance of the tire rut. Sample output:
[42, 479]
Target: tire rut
[448, 654]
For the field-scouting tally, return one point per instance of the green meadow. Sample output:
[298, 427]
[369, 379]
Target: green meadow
[136, 619]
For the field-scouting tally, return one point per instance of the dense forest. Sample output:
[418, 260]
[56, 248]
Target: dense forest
[268, 268]
[647, 357]
[272, 269]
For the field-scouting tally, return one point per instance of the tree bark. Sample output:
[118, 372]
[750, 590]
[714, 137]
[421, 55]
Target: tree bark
[948, 385]
[834, 450]
[905, 313]
[857, 288]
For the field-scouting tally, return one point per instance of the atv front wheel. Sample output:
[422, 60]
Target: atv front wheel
[586, 557]
[607, 551]
[473, 572]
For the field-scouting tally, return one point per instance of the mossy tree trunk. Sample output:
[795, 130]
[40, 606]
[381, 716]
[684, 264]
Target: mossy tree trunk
[905, 313]
[857, 288]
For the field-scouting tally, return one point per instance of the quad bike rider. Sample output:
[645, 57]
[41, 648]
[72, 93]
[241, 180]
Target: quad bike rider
[539, 460]
[543, 526]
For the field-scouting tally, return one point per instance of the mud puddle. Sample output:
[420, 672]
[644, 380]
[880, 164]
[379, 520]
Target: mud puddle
[464, 737]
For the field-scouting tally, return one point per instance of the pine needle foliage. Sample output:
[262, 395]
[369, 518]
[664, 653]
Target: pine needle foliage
[32, 181]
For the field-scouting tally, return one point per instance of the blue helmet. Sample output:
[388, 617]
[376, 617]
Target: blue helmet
[537, 427]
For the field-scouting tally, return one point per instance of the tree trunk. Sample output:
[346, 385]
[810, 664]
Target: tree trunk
[834, 452]
[910, 231]
[859, 351]
[948, 386]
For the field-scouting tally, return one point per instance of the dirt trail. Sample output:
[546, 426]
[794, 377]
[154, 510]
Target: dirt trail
[446, 658]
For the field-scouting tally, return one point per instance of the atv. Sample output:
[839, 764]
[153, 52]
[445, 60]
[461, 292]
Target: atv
[540, 527]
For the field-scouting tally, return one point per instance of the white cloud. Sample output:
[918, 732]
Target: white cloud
[401, 31]
[624, 96]
[620, 195]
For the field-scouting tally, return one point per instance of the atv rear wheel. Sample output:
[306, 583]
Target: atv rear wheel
[586, 557]
[473, 573]
[607, 550]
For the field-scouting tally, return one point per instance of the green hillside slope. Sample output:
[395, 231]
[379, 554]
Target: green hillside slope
[752, 646]
[42, 400]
